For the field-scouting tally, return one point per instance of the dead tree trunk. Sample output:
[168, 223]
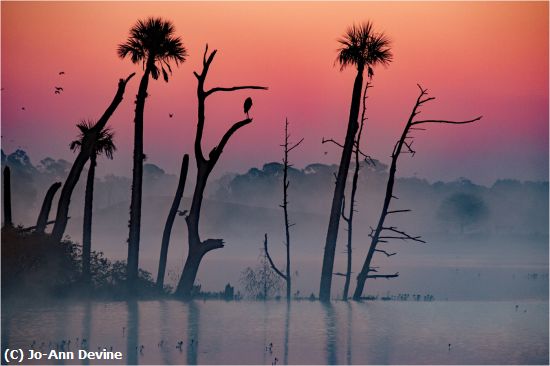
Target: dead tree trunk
[382, 234]
[198, 248]
[7, 198]
[288, 147]
[82, 158]
[46, 207]
[349, 218]
[170, 222]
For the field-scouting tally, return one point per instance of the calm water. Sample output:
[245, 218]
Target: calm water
[217, 332]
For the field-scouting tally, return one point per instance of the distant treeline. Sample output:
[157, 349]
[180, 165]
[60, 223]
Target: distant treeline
[508, 206]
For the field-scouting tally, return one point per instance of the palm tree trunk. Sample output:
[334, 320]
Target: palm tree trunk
[87, 225]
[46, 207]
[170, 222]
[62, 215]
[7, 197]
[137, 179]
[336, 208]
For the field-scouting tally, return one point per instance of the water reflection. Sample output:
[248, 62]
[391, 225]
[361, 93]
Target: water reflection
[86, 329]
[331, 334]
[349, 323]
[287, 325]
[132, 330]
[193, 320]
[301, 332]
[165, 321]
[6, 316]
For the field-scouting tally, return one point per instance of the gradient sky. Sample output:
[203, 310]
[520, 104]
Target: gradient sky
[478, 58]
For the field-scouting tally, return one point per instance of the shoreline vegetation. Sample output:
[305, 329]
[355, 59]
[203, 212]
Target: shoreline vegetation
[36, 266]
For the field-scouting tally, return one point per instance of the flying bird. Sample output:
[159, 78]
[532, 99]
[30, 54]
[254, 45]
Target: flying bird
[61, 72]
[170, 115]
[57, 92]
[58, 88]
[22, 108]
[182, 213]
[247, 106]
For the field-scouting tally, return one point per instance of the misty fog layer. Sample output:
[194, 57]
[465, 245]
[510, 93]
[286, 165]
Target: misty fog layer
[492, 234]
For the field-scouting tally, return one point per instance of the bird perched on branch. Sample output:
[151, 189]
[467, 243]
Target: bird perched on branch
[247, 106]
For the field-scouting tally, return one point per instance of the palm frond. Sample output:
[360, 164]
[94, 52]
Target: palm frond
[153, 40]
[84, 126]
[104, 145]
[361, 46]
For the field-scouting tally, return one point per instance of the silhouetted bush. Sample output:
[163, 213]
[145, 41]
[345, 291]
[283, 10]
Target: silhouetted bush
[36, 266]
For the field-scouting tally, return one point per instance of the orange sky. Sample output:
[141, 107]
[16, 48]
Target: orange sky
[477, 58]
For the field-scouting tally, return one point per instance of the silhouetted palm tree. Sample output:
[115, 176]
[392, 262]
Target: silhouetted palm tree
[153, 44]
[62, 214]
[103, 145]
[362, 48]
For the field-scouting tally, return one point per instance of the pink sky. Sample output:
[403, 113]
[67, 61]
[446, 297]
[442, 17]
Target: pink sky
[476, 58]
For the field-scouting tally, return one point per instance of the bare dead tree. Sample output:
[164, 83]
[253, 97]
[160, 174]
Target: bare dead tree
[170, 222]
[86, 150]
[383, 233]
[288, 147]
[46, 207]
[198, 248]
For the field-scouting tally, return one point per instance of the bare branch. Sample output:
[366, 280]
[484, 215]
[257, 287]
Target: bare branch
[445, 121]
[396, 274]
[31, 228]
[295, 146]
[211, 244]
[396, 211]
[333, 141]
[217, 150]
[386, 253]
[233, 88]
[354, 144]
[271, 261]
[405, 236]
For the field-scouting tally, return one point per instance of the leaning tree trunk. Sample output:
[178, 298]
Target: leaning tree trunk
[349, 219]
[87, 224]
[62, 215]
[137, 180]
[46, 207]
[198, 248]
[343, 170]
[7, 197]
[170, 222]
[378, 235]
